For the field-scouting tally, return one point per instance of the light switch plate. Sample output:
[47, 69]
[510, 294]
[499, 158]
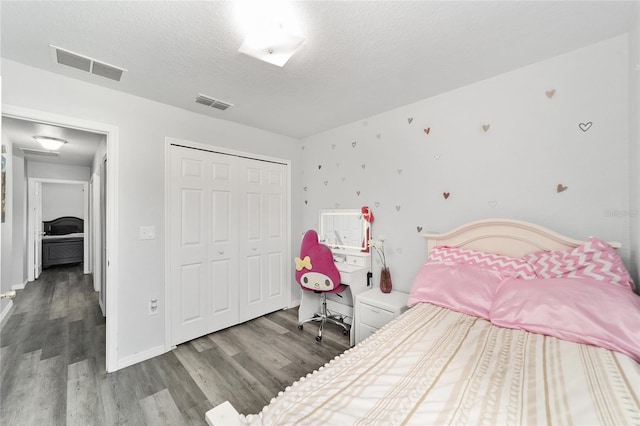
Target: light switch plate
[147, 232]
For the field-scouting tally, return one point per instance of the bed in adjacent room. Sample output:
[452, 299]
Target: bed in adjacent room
[63, 241]
[510, 324]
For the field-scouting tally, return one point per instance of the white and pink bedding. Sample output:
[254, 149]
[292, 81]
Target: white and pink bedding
[549, 338]
[433, 365]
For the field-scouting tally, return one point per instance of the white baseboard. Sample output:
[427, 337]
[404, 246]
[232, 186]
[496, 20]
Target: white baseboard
[140, 356]
[294, 303]
[101, 305]
[19, 286]
[5, 312]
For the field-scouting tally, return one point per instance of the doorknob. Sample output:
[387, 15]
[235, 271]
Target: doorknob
[11, 294]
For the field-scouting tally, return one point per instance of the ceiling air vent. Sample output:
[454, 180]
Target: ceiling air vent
[85, 63]
[38, 152]
[214, 103]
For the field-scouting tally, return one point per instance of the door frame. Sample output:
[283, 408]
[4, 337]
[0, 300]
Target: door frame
[167, 214]
[112, 141]
[31, 222]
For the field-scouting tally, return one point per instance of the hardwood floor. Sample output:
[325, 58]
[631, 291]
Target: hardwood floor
[52, 363]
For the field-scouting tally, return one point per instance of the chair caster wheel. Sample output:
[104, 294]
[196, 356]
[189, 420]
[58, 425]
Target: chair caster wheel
[300, 326]
[345, 332]
[318, 339]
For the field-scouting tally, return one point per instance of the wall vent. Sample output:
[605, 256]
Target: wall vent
[85, 63]
[214, 103]
[28, 151]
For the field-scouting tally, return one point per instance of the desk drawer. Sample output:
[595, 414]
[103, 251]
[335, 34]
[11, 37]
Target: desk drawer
[374, 316]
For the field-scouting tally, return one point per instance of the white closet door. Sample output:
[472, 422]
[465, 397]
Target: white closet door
[263, 243]
[204, 244]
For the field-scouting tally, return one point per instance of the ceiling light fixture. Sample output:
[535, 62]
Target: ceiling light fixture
[50, 143]
[273, 34]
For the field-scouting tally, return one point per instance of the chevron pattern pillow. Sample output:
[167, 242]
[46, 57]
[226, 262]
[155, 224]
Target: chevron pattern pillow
[515, 266]
[595, 259]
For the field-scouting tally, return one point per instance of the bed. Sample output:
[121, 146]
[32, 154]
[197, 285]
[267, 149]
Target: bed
[507, 326]
[63, 241]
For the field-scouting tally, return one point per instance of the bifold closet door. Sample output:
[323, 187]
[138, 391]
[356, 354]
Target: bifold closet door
[204, 243]
[263, 239]
[228, 253]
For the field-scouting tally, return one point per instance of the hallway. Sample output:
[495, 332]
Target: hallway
[52, 366]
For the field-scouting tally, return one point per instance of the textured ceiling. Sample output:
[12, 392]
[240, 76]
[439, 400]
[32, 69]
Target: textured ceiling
[79, 150]
[360, 58]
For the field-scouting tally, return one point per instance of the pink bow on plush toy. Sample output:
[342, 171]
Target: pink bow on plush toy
[315, 268]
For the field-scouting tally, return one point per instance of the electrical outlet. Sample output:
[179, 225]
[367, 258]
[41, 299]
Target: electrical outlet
[147, 232]
[153, 306]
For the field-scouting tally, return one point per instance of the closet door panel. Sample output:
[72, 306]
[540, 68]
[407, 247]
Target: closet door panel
[203, 251]
[188, 248]
[264, 192]
[229, 244]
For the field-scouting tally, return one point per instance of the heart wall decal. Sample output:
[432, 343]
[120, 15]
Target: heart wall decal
[446, 195]
[353, 144]
[419, 228]
[550, 93]
[397, 208]
[377, 203]
[427, 130]
[486, 127]
[319, 166]
[358, 193]
[561, 188]
[410, 120]
[585, 126]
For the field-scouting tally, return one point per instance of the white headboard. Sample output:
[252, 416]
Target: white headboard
[509, 237]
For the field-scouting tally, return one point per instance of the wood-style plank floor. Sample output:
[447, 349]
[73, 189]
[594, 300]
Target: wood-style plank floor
[52, 363]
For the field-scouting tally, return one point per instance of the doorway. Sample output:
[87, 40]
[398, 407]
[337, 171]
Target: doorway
[109, 271]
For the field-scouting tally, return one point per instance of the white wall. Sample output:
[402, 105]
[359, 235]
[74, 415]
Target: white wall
[6, 269]
[533, 144]
[634, 146]
[19, 233]
[36, 169]
[143, 126]
[62, 199]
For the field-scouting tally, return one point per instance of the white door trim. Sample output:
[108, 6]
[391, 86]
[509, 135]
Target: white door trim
[32, 224]
[167, 214]
[111, 132]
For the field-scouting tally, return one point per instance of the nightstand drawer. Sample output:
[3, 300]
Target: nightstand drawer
[374, 316]
[366, 331]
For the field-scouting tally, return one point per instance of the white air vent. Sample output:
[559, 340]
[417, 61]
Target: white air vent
[214, 103]
[38, 152]
[85, 63]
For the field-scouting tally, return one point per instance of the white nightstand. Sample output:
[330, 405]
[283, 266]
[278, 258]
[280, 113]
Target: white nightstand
[373, 309]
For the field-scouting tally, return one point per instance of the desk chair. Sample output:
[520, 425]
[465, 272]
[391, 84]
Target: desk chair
[316, 271]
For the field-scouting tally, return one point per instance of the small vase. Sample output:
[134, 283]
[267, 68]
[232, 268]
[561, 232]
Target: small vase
[385, 280]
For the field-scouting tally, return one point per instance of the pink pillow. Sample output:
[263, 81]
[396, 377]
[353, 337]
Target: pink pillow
[595, 259]
[577, 310]
[498, 262]
[462, 288]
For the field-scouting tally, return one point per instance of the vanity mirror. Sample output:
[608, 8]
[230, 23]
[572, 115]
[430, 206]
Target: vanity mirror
[344, 229]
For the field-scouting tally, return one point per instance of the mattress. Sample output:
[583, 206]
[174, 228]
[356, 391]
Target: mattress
[436, 366]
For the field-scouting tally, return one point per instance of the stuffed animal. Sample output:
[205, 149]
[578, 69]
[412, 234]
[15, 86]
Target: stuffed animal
[315, 268]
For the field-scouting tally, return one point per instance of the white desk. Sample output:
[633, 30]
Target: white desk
[353, 274]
